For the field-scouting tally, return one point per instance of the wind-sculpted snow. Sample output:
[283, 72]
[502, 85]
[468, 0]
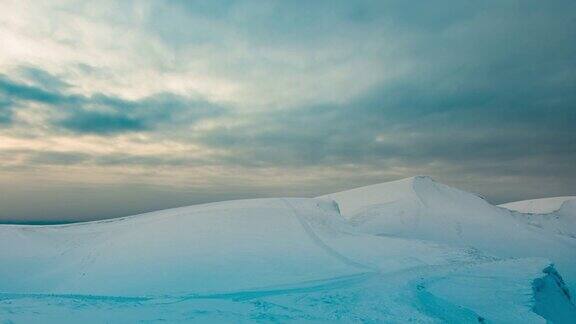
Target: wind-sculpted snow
[421, 208]
[439, 255]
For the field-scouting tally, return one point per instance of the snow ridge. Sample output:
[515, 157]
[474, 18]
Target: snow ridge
[538, 206]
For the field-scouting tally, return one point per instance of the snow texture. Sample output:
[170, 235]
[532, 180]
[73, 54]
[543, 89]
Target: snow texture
[412, 250]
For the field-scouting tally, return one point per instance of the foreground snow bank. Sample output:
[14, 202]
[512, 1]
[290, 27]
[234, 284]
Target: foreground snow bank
[508, 291]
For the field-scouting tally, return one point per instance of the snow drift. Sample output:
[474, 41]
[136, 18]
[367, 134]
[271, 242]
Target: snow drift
[410, 250]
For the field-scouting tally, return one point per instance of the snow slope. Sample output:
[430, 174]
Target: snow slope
[421, 208]
[440, 255]
[201, 250]
[538, 206]
[556, 215]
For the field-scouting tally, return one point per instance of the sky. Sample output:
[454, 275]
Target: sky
[111, 108]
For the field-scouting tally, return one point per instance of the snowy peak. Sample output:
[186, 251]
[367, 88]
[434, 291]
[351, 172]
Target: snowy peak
[354, 201]
[418, 207]
[410, 193]
[423, 209]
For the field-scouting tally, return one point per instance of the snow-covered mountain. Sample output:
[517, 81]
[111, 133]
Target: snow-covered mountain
[421, 208]
[409, 250]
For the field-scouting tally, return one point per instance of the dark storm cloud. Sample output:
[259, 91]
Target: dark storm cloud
[99, 113]
[420, 123]
[493, 87]
[494, 82]
[103, 123]
[19, 91]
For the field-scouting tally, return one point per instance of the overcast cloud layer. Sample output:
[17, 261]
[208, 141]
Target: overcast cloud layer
[112, 108]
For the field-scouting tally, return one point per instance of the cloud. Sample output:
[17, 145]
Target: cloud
[43, 79]
[54, 157]
[485, 93]
[104, 114]
[102, 123]
[19, 91]
[5, 110]
[293, 97]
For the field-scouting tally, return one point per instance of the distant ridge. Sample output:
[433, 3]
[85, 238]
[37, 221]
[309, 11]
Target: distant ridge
[538, 206]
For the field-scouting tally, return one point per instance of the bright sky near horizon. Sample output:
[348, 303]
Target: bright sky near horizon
[110, 108]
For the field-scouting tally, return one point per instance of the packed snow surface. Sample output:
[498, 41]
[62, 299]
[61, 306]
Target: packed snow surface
[412, 250]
